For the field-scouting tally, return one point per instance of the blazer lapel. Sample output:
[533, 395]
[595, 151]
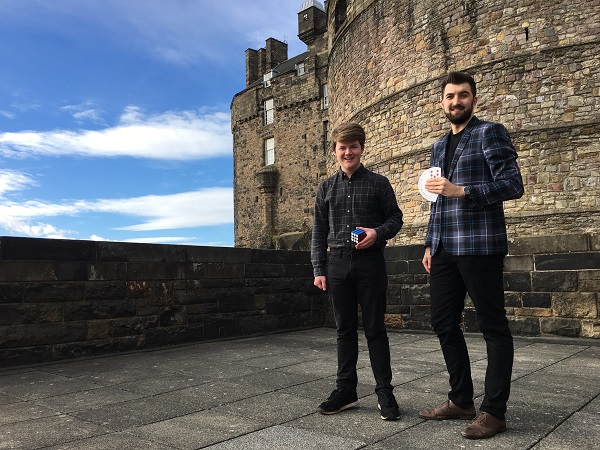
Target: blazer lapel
[461, 145]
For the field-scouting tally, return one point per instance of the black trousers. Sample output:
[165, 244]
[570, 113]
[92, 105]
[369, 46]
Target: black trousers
[353, 279]
[482, 278]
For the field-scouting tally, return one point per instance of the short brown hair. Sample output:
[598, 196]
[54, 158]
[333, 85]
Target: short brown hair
[348, 132]
[459, 78]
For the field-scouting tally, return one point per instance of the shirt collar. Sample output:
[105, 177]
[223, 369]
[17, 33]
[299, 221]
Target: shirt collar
[359, 172]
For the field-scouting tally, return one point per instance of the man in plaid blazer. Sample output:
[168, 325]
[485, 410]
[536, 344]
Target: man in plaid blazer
[464, 253]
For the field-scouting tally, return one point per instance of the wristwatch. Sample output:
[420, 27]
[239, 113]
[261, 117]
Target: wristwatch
[467, 192]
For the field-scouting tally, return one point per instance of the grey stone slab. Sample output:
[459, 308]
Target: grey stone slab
[157, 385]
[363, 423]
[288, 438]
[197, 430]
[112, 441]
[274, 379]
[132, 413]
[18, 412]
[319, 390]
[273, 408]
[77, 401]
[39, 433]
[581, 431]
[593, 407]
[320, 368]
[6, 399]
[211, 394]
[39, 384]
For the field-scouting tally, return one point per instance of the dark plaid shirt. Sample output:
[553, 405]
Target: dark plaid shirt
[366, 200]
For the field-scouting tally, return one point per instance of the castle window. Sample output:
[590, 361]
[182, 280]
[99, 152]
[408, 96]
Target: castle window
[325, 93]
[325, 134]
[300, 69]
[269, 111]
[269, 151]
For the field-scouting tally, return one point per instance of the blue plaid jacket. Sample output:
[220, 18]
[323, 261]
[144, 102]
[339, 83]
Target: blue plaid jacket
[485, 162]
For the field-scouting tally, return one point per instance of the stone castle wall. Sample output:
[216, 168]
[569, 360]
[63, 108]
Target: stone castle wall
[298, 131]
[66, 299]
[537, 71]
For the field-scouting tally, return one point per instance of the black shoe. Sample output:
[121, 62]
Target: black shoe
[388, 405]
[339, 400]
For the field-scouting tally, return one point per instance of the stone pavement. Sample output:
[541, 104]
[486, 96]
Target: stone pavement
[262, 393]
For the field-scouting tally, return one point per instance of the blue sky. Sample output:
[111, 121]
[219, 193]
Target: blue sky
[114, 115]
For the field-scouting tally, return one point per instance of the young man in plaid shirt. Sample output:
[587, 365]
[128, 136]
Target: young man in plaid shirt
[355, 273]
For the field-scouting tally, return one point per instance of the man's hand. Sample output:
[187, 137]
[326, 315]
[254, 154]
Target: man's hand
[369, 239]
[443, 186]
[427, 259]
[321, 283]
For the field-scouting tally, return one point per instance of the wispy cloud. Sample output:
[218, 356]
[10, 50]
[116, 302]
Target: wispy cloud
[207, 207]
[187, 135]
[12, 180]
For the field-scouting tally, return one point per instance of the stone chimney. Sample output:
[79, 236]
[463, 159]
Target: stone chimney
[261, 61]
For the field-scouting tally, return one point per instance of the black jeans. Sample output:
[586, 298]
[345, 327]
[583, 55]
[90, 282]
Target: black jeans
[353, 279]
[482, 277]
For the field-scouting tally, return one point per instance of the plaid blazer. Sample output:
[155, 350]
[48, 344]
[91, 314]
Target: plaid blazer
[485, 162]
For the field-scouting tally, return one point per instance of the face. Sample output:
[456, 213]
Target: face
[458, 103]
[348, 156]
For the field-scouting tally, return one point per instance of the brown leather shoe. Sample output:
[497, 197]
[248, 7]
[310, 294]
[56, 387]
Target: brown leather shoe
[484, 426]
[448, 410]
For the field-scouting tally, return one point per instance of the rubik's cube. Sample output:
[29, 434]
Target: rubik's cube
[357, 235]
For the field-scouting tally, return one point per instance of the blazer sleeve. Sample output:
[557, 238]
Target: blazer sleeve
[501, 157]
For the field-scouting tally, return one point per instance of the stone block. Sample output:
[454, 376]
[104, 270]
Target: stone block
[198, 254]
[396, 267]
[415, 295]
[136, 252]
[53, 292]
[98, 271]
[404, 253]
[554, 281]
[32, 335]
[92, 310]
[517, 281]
[524, 326]
[548, 244]
[267, 271]
[589, 280]
[537, 300]
[155, 270]
[11, 292]
[575, 305]
[235, 301]
[518, 263]
[17, 313]
[513, 299]
[105, 290]
[34, 249]
[561, 327]
[568, 261]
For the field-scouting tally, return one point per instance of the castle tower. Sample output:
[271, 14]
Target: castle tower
[279, 125]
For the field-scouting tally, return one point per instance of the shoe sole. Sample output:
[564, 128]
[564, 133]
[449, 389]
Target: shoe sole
[348, 406]
[502, 430]
[389, 417]
[463, 417]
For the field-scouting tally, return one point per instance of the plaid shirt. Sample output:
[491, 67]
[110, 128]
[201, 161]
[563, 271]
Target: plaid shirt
[366, 200]
[485, 162]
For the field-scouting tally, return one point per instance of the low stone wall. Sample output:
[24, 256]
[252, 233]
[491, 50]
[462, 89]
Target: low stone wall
[63, 299]
[552, 287]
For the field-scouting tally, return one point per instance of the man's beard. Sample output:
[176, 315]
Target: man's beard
[460, 118]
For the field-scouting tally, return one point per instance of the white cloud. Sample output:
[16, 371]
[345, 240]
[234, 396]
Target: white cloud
[11, 180]
[186, 135]
[207, 207]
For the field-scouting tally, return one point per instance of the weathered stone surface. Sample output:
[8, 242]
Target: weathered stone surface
[561, 327]
[575, 305]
